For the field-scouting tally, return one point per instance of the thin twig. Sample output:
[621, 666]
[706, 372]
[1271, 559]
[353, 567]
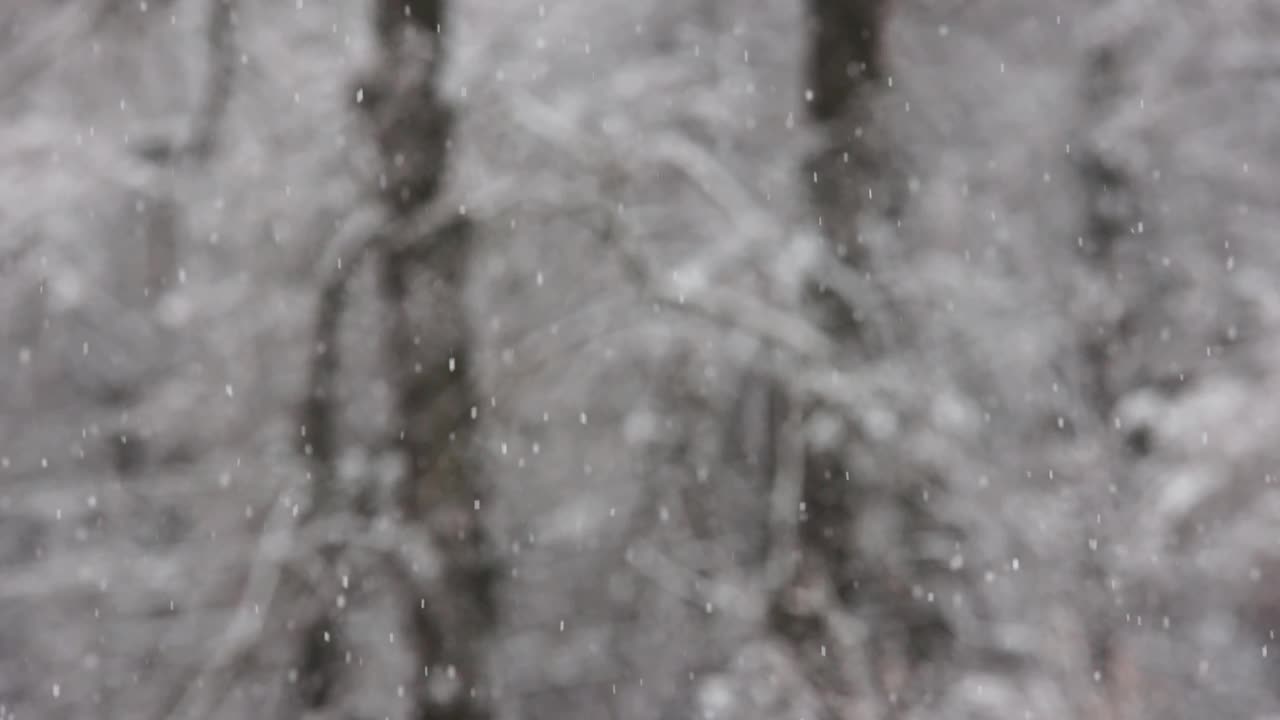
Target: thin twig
[244, 631]
[784, 502]
[220, 68]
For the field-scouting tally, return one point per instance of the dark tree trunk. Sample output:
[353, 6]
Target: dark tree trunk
[421, 277]
[846, 54]
[420, 271]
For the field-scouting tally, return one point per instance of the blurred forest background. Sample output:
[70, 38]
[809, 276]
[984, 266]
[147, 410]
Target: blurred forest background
[751, 359]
